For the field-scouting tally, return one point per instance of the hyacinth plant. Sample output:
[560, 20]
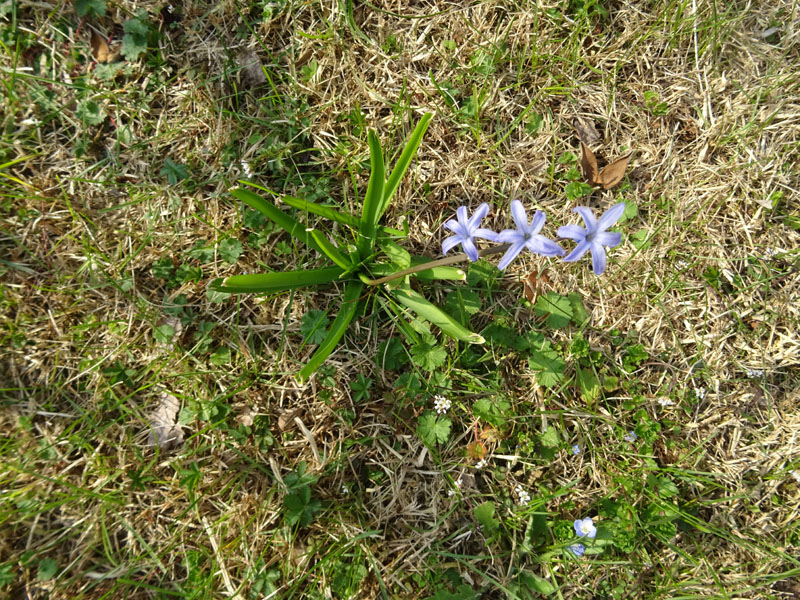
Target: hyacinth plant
[371, 259]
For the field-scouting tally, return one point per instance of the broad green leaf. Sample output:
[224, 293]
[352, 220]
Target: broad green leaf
[549, 367]
[291, 225]
[589, 384]
[417, 303]
[433, 429]
[538, 584]
[347, 310]
[314, 326]
[484, 513]
[428, 356]
[372, 201]
[402, 164]
[328, 212]
[557, 308]
[330, 250]
[261, 283]
[579, 312]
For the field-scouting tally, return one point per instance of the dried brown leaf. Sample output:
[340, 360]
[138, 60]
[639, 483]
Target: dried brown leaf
[532, 285]
[101, 51]
[613, 173]
[587, 133]
[588, 165]
[164, 428]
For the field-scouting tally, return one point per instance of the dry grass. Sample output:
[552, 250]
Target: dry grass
[87, 213]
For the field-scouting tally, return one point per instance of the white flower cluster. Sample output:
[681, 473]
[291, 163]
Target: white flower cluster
[754, 373]
[523, 496]
[441, 404]
[451, 492]
[665, 402]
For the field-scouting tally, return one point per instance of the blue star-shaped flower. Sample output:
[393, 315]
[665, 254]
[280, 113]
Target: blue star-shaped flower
[594, 236]
[585, 527]
[466, 228]
[526, 236]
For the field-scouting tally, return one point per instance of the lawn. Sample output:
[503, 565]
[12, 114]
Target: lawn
[459, 433]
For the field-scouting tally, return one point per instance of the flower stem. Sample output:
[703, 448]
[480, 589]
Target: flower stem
[442, 262]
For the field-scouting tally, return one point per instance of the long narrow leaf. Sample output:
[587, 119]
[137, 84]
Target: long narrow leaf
[417, 303]
[347, 311]
[260, 283]
[291, 225]
[372, 201]
[330, 250]
[321, 210]
[400, 168]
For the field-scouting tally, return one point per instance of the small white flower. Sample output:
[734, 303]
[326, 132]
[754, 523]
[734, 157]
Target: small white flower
[523, 497]
[245, 166]
[451, 493]
[795, 475]
[754, 373]
[441, 404]
[481, 463]
[700, 392]
[665, 402]
[345, 489]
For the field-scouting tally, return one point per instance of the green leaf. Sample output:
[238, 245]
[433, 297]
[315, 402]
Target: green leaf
[579, 313]
[372, 201]
[361, 388]
[433, 429]
[230, 250]
[261, 283]
[577, 189]
[47, 569]
[447, 273]
[504, 337]
[492, 411]
[221, 356]
[589, 384]
[6, 574]
[417, 303]
[164, 333]
[134, 42]
[484, 513]
[330, 250]
[537, 584]
[402, 164]
[391, 354]
[90, 7]
[174, 172]
[313, 326]
[347, 310]
[548, 366]
[550, 437]
[462, 303]
[428, 355]
[641, 240]
[397, 254]
[286, 222]
[556, 308]
[327, 212]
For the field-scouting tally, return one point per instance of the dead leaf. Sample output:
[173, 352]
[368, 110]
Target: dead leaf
[587, 132]
[164, 428]
[101, 51]
[588, 165]
[286, 417]
[532, 285]
[610, 176]
[476, 450]
[613, 173]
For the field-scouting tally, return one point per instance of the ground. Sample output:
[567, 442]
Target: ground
[157, 440]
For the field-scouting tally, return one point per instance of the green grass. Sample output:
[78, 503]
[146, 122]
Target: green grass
[116, 213]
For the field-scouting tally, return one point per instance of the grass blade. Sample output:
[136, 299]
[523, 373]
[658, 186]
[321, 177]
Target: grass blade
[400, 168]
[347, 311]
[291, 225]
[261, 283]
[373, 200]
[417, 303]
